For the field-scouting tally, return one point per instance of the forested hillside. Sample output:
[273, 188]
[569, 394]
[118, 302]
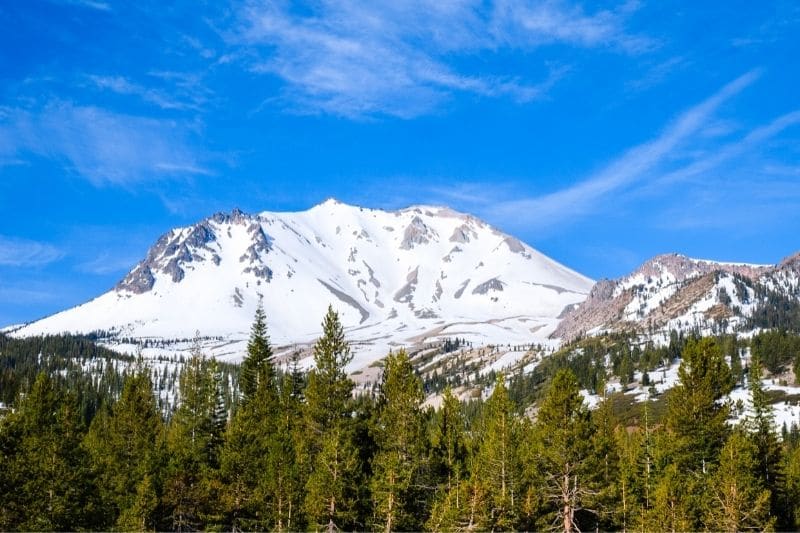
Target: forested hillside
[299, 450]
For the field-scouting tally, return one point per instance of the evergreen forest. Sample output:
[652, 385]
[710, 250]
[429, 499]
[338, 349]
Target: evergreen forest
[272, 447]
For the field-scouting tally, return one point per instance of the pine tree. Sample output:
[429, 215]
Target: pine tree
[285, 484]
[126, 445]
[606, 473]
[696, 419]
[791, 468]
[140, 515]
[249, 454]
[244, 459]
[333, 460]
[760, 424]
[193, 443]
[631, 482]
[563, 434]
[496, 469]
[449, 454]
[257, 365]
[738, 498]
[671, 508]
[48, 483]
[398, 465]
[696, 423]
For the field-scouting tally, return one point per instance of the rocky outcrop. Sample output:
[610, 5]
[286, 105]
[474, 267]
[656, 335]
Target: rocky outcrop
[493, 284]
[670, 289]
[417, 233]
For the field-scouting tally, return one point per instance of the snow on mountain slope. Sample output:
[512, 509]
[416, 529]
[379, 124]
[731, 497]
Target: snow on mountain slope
[397, 278]
[674, 292]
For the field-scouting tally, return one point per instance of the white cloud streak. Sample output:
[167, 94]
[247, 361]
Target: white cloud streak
[89, 4]
[123, 86]
[397, 58]
[16, 252]
[105, 147]
[635, 165]
[107, 263]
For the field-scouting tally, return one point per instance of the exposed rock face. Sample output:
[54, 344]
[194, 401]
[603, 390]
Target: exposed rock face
[599, 308]
[516, 246]
[462, 234]
[176, 250]
[682, 267]
[674, 291]
[138, 281]
[460, 290]
[406, 293]
[417, 233]
[347, 299]
[493, 284]
[791, 263]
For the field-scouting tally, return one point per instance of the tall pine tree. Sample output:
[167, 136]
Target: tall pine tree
[249, 450]
[497, 469]
[564, 454]
[696, 422]
[127, 447]
[738, 499]
[193, 442]
[47, 482]
[257, 365]
[333, 462]
[760, 424]
[449, 457]
[399, 464]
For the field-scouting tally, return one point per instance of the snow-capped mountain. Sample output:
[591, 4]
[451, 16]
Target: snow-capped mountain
[674, 292]
[397, 278]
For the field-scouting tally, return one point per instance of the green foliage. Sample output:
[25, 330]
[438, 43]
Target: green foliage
[775, 310]
[126, 444]
[496, 466]
[738, 499]
[448, 463]
[46, 477]
[776, 349]
[193, 444]
[760, 425]
[791, 468]
[63, 358]
[564, 455]
[302, 452]
[696, 419]
[399, 465]
[332, 457]
[257, 365]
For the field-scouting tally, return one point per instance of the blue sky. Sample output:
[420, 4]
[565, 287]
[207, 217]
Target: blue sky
[600, 133]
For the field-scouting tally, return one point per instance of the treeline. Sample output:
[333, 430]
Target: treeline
[94, 374]
[66, 358]
[302, 452]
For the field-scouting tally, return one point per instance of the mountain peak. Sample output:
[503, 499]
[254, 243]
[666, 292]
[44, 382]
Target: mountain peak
[395, 277]
[236, 215]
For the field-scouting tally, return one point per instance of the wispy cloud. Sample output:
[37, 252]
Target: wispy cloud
[105, 147]
[16, 252]
[535, 23]
[107, 263]
[656, 73]
[26, 296]
[635, 165]
[90, 4]
[358, 59]
[725, 152]
[750, 207]
[124, 86]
